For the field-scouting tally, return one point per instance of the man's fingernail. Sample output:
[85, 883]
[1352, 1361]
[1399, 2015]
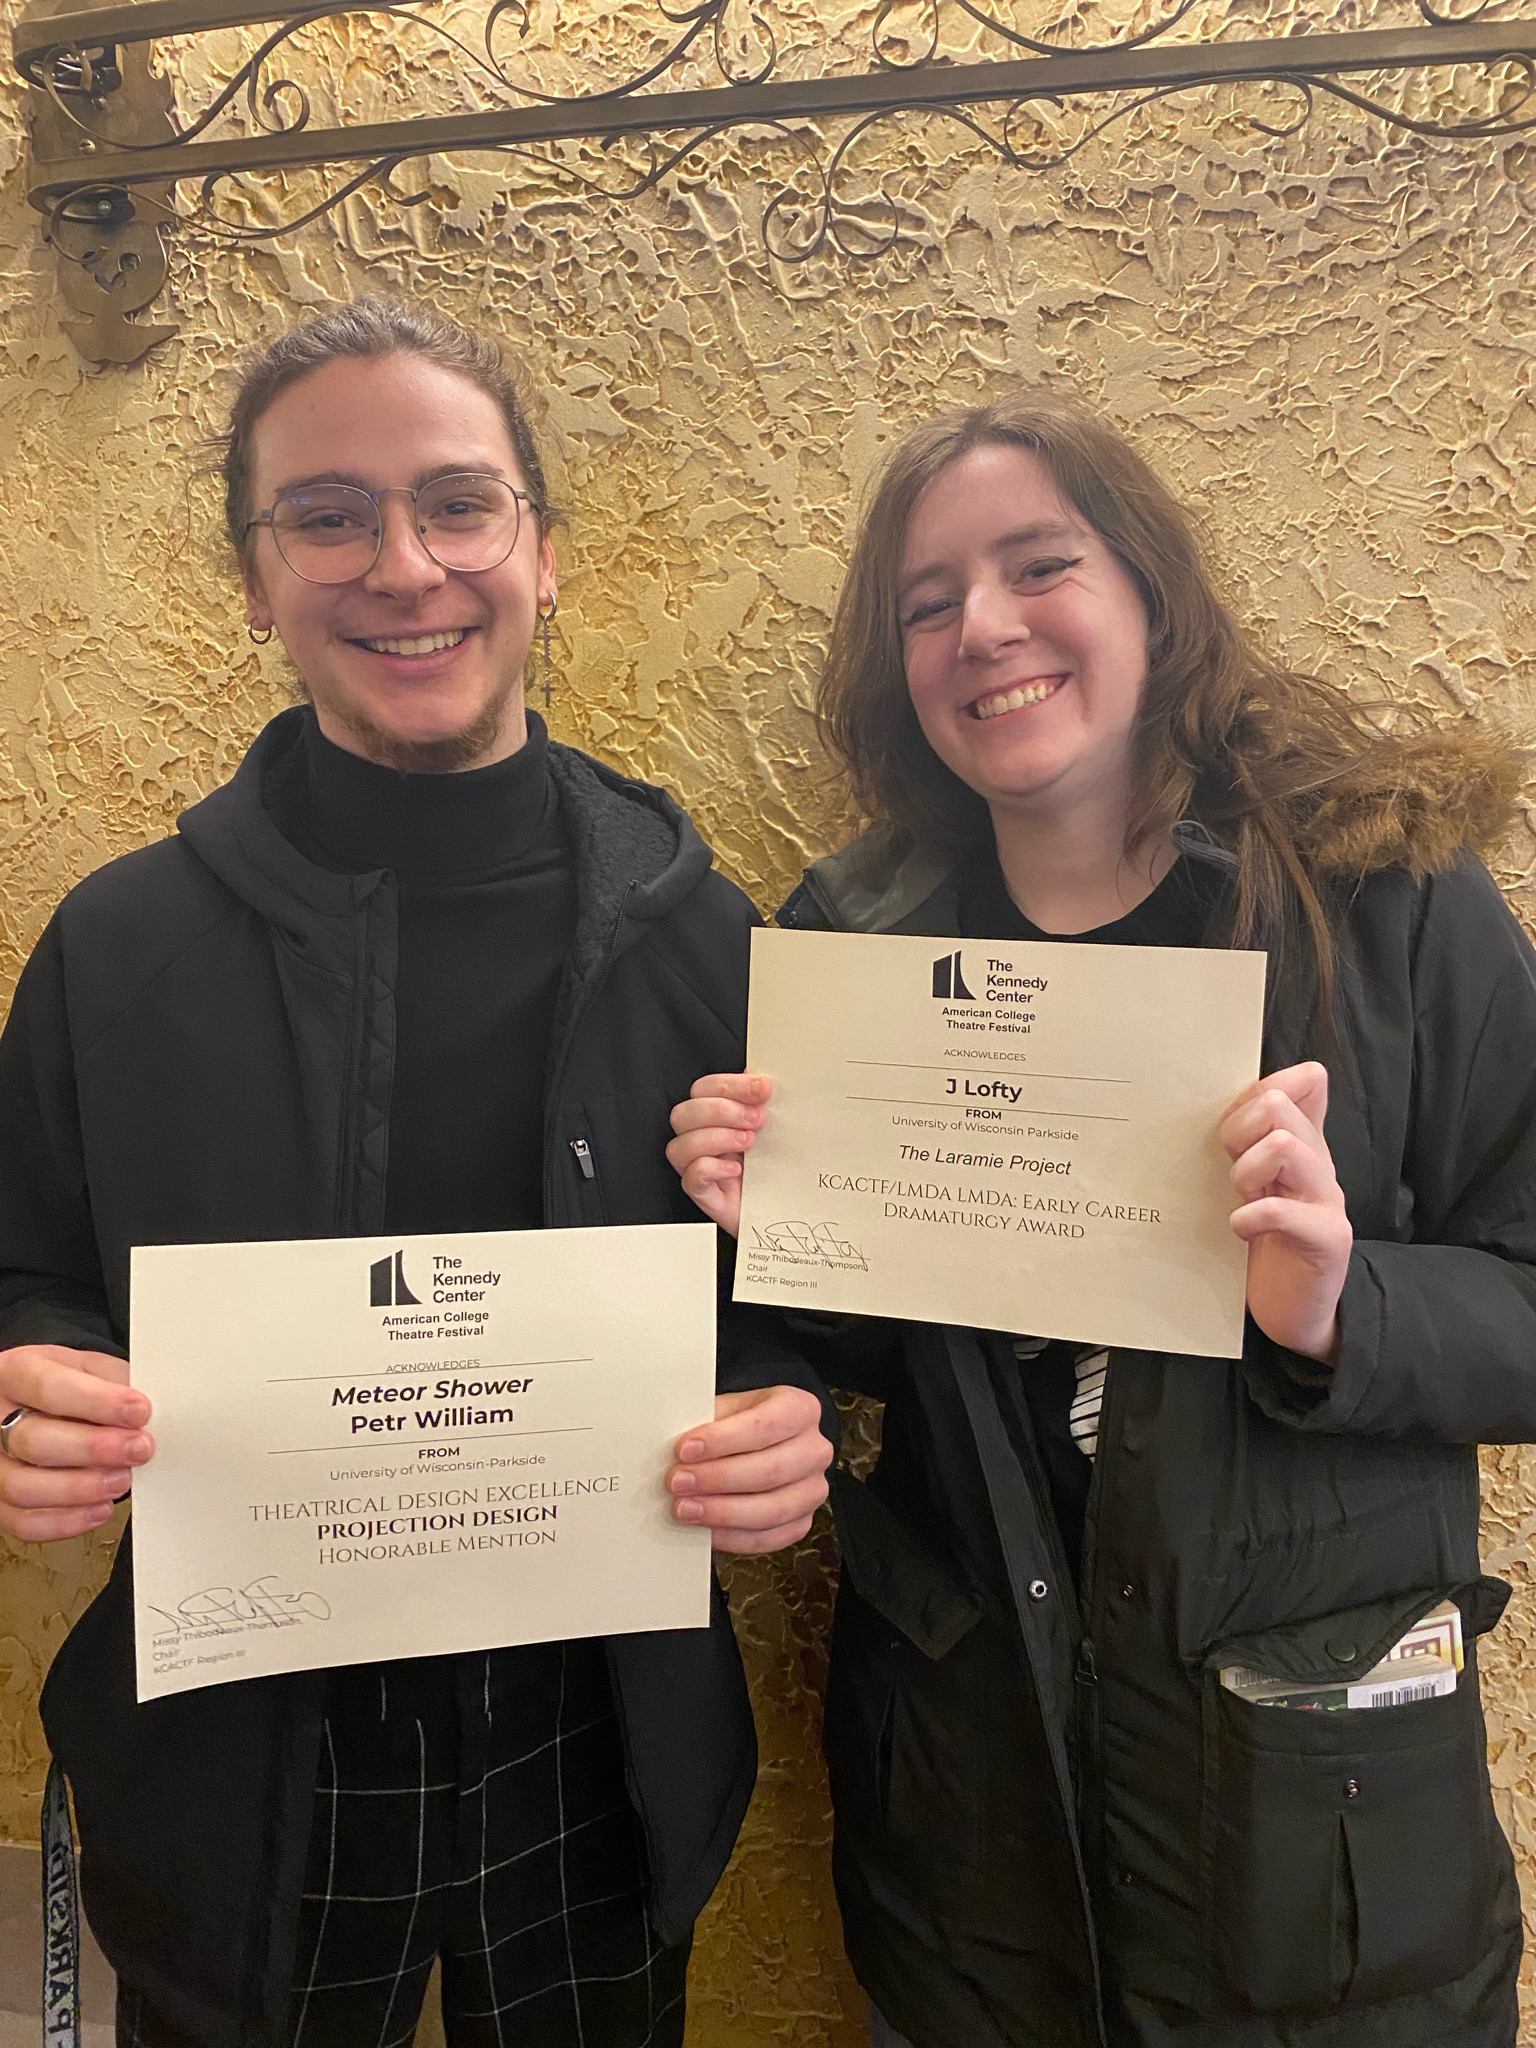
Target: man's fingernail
[114, 1483]
[685, 1482]
[136, 1449]
[689, 1511]
[692, 1448]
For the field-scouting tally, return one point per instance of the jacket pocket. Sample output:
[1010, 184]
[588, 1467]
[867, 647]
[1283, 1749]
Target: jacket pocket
[911, 1771]
[1348, 1857]
[895, 1573]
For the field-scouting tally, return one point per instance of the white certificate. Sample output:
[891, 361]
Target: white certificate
[1011, 1136]
[371, 1448]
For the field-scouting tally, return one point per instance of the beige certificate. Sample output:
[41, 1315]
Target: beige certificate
[1008, 1136]
[372, 1448]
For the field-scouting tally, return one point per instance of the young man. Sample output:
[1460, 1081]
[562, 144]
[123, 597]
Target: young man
[415, 968]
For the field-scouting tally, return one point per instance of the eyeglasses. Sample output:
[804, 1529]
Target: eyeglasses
[332, 533]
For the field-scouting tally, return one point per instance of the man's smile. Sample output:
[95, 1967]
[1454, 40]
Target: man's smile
[419, 643]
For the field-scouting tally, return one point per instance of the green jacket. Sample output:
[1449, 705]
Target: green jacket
[1054, 1825]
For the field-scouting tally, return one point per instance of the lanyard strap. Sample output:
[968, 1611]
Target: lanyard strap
[61, 1918]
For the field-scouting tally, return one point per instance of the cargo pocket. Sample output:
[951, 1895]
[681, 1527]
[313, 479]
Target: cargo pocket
[895, 1573]
[901, 1615]
[913, 1758]
[1349, 1857]
[858, 1715]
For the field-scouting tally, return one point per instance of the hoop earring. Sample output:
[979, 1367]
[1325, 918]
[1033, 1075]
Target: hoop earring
[546, 660]
[260, 638]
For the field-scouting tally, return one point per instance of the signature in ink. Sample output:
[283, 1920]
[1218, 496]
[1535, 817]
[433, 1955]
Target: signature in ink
[225, 1610]
[809, 1241]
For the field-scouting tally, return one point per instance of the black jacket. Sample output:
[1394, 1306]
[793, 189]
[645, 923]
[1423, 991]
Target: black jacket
[1054, 1826]
[201, 1049]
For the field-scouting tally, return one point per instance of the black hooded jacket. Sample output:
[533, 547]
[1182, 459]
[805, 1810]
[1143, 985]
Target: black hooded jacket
[1055, 1827]
[201, 1048]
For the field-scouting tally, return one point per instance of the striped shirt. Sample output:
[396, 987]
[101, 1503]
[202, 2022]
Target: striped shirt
[1090, 1365]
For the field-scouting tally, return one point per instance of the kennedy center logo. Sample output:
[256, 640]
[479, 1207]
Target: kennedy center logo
[948, 982]
[386, 1284]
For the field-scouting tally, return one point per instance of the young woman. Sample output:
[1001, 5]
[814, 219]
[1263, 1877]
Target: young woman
[1055, 1825]
[415, 968]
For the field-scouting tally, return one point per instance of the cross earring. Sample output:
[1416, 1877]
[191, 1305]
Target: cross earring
[546, 620]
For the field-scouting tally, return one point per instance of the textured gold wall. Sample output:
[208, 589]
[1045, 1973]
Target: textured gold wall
[1325, 341]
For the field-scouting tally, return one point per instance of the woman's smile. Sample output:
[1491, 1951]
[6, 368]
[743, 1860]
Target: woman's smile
[1016, 697]
[1011, 602]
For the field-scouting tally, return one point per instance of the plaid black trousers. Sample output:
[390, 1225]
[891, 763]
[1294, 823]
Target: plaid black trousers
[473, 1809]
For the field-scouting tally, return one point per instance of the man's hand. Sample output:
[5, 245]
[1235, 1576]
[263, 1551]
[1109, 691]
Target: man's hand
[1291, 1212]
[755, 1475]
[716, 1125]
[72, 1454]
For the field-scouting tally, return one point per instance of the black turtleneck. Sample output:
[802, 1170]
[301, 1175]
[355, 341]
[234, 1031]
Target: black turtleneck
[487, 908]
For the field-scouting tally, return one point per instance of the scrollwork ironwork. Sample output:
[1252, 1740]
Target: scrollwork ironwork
[838, 206]
[109, 155]
[1055, 45]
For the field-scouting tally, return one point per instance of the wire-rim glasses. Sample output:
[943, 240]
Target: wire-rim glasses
[332, 533]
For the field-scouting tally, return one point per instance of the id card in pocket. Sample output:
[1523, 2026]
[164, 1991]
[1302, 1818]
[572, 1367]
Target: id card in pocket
[1421, 1665]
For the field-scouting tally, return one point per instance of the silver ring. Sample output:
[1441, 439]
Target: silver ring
[6, 1427]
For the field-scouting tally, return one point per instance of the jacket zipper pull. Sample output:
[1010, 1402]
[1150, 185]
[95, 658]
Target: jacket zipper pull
[1090, 1769]
[583, 1153]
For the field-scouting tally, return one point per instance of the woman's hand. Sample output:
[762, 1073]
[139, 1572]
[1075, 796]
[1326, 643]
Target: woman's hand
[756, 1475]
[73, 1452]
[715, 1126]
[1291, 1212]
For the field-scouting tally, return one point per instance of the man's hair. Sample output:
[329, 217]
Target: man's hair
[1281, 769]
[370, 328]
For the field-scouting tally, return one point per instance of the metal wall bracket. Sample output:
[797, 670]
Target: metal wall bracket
[110, 158]
[109, 240]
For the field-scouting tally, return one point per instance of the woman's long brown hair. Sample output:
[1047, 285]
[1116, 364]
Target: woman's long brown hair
[1282, 770]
